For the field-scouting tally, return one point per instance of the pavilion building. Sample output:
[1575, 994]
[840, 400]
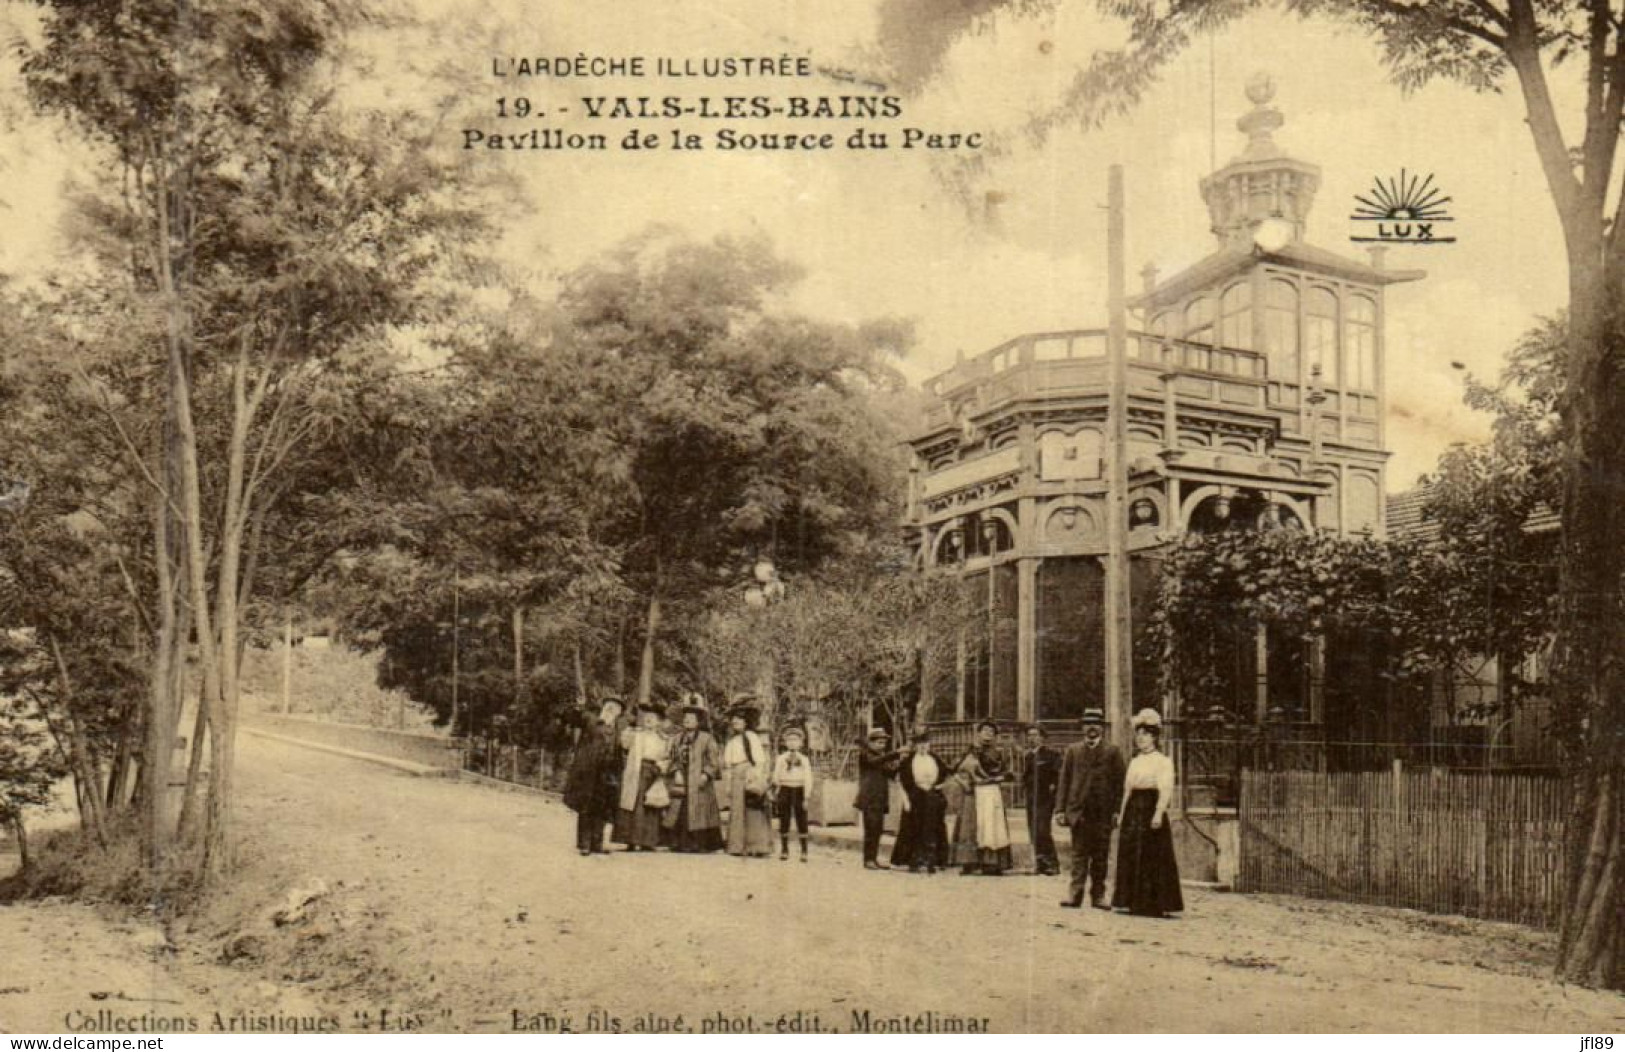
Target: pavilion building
[1254, 396]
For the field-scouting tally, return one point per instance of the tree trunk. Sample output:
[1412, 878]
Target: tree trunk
[456, 645]
[163, 703]
[20, 831]
[580, 670]
[518, 658]
[620, 657]
[217, 847]
[178, 339]
[287, 662]
[1587, 676]
[646, 668]
[86, 785]
[118, 777]
[192, 791]
[1587, 686]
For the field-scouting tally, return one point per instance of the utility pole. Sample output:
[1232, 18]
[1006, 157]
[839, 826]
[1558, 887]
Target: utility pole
[1119, 635]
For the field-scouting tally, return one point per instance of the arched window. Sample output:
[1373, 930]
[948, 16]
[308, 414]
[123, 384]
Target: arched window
[1360, 340]
[1162, 324]
[1199, 320]
[1236, 316]
[1320, 334]
[1281, 329]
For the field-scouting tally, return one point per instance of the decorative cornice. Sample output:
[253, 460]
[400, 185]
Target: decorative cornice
[972, 494]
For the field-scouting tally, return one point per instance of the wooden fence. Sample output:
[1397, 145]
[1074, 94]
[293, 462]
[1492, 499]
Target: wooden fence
[1471, 843]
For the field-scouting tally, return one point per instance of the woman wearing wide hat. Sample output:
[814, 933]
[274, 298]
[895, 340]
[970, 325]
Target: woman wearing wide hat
[693, 822]
[644, 797]
[1147, 880]
[745, 768]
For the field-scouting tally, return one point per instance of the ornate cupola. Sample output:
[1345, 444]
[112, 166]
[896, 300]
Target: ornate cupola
[1263, 185]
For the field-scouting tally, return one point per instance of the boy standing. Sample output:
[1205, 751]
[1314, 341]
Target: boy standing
[793, 779]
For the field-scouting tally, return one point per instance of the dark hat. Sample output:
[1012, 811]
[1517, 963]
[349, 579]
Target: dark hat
[1094, 716]
[749, 713]
[986, 723]
[922, 735]
[879, 734]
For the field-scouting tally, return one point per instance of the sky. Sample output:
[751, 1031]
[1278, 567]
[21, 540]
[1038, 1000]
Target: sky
[879, 233]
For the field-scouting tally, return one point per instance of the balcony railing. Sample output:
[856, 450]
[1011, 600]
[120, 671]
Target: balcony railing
[1048, 364]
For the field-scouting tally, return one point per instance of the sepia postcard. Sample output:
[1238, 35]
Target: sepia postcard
[857, 517]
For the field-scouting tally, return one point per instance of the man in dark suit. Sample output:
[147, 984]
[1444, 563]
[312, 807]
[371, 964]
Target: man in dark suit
[876, 766]
[922, 836]
[1088, 797]
[1040, 773]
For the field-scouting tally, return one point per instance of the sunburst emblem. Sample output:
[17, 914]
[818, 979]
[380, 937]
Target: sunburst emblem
[1407, 197]
[1405, 207]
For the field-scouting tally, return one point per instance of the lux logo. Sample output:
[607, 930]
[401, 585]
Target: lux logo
[1404, 210]
[1405, 232]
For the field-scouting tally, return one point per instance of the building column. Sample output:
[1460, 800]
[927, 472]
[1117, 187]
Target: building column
[1026, 639]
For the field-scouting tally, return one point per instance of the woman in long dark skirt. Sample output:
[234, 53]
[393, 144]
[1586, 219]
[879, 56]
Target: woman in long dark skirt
[1147, 881]
[693, 822]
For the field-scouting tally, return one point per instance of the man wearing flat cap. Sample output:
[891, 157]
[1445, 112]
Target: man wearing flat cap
[1087, 798]
[877, 763]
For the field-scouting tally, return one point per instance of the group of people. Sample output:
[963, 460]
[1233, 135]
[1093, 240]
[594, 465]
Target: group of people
[658, 783]
[1087, 788]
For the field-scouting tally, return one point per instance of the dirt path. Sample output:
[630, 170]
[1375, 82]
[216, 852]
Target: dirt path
[71, 968]
[451, 906]
[480, 909]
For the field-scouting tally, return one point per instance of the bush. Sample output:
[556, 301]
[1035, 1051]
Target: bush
[70, 863]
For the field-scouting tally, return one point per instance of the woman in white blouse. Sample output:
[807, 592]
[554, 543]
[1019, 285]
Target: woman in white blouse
[745, 767]
[1147, 874]
[648, 755]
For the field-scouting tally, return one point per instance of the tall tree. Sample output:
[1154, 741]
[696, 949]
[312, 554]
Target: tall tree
[275, 233]
[742, 428]
[75, 570]
[1483, 44]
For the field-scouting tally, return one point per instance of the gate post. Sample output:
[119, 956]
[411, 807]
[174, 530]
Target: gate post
[1399, 827]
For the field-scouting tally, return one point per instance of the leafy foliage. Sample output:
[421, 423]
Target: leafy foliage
[848, 647]
[1298, 584]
